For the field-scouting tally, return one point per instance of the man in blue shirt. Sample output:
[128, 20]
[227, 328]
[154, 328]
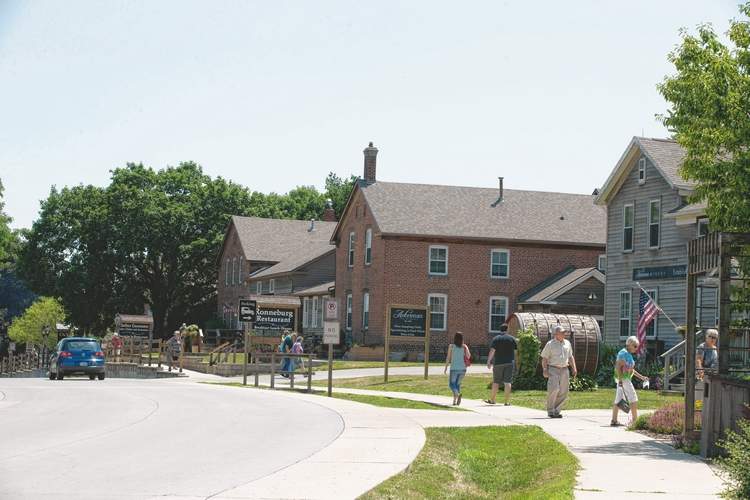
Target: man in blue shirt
[504, 353]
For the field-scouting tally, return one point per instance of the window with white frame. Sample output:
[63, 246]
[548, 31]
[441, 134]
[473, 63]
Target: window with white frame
[498, 313]
[601, 265]
[654, 223]
[321, 308]
[226, 273]
[628, 216]
[271, 285]
[653, 328]
[258, 287]
[239, 271]
[500, 263]
[641, 171]
[315, 312]
[234, 268]
[349, 311]
[351, 249]
[368, 246]
[365, 310]
[307, 312]
[438, 304]
[438, 260]
[702, 227]
[625, 313]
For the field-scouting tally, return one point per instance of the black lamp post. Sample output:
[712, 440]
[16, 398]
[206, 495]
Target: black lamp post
[45, 335]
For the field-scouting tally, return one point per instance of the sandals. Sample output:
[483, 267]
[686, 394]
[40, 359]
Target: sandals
[615, 424]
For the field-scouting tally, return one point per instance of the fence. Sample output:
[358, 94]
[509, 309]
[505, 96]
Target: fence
[274, 358]
[27, 361]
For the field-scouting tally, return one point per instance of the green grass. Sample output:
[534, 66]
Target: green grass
[475, 387]
[381, 401]
[514, 462]
[353, 365]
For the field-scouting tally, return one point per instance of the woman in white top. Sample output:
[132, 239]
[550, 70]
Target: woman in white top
[458, 353]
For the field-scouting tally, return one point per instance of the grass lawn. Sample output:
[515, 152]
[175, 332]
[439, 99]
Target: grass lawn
[511, 462]
[475, 387]
[382, 401]
[340, 364]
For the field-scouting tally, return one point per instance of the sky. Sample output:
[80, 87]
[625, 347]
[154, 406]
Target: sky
[273, 95]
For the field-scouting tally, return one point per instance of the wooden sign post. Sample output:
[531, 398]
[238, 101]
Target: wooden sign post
[247, 314]
[407, 323]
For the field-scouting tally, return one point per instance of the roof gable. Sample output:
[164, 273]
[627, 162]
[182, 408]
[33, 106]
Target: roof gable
[553, 287]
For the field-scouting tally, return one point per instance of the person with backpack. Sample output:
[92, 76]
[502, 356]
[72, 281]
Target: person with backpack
[459, 359]
[504, 355]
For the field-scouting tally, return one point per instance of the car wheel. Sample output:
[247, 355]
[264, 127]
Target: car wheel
[52, 376]
[92, 377]
[101, 376]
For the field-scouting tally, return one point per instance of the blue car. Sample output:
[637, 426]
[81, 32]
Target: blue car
[77, 355]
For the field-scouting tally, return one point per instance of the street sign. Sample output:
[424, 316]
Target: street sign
[331, 333]
[275, 318]
[248, 309]
[332, 310]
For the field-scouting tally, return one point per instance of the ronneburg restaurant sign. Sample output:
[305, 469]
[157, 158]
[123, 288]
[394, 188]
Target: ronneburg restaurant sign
[274, 318]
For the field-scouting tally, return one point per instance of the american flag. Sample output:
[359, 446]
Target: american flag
[648, 311]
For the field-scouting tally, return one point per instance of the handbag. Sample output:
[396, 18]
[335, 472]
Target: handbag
[623, 404]
[467, 357]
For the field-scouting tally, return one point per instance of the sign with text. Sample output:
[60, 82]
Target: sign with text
[134, 329]
[331, 332]
[275, 318]
[332, 310]
[660, 273]
[407, 322]
[248, 310]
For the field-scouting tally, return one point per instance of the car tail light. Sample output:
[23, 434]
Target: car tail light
[66, 354]
[99, 354]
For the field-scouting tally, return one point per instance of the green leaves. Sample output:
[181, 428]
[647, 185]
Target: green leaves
[45, 312]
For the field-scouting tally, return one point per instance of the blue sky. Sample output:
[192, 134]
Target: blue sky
[277, 94]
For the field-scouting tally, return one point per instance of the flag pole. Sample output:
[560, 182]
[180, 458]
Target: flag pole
[657, 305]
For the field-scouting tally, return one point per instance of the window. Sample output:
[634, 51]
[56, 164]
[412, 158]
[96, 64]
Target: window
[271, 285]
[226, 273]
[258, 287]
[368, 246]
[625, 313]
[702, 227]
[706, 311]
[314, 313]
[239, 271]
[654, 221]
[500, 263]
[439, 260]
[349, 311]
[498, 312]
[602, 264]
[351, 249]
[641, 171]
[438, 303]
[627, 228]
[234, 268]
[365, 310]
[321, 308]
[653, 328]
[306, 313]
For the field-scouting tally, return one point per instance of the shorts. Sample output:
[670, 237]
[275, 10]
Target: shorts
[503, 374]
[628, 389]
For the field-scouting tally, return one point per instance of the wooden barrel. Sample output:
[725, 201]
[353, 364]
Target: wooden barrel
[583, 332]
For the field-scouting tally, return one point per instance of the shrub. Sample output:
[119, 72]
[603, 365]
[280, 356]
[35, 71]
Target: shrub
[605, 370]
[670, 419]
[583, 383]
[688, 446]
[736, 465]
[528, 353]
[641, 423]
[532, 383]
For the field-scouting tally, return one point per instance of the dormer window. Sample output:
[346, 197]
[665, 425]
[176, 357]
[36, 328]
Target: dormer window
[641, 171]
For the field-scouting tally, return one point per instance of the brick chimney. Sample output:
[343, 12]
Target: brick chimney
[371, 154]
[329, 214]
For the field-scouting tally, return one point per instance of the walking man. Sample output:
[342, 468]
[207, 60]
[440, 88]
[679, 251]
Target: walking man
[557, 359]
[504, 353]
[174, 349]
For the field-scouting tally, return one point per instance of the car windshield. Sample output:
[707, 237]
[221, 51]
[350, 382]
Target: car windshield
[81, 345]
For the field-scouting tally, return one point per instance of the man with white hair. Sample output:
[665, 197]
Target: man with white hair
[557, 360]
[624, 371]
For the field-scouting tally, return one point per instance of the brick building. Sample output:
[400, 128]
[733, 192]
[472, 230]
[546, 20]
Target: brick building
[467, 252]
[281, 263]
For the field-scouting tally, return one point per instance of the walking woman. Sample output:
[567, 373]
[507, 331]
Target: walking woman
[624, 371]
[458, 354]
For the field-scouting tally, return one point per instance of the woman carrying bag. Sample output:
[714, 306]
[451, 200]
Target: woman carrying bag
[625, 396]
[459, 358]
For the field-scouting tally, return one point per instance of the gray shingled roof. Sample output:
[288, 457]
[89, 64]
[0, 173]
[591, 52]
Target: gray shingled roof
[548, 290]
[668, 156]
[469, 212]
[288, 244]
[317, 289]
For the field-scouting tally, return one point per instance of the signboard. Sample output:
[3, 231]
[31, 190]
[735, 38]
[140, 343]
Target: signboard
[134, 329]
[332, 310]
[248, 309]
[274, 318]
[660, 273]
[408, 322]
[331, 333]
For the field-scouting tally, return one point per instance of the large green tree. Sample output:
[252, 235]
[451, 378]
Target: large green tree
[709, 97]
[45, 312]
[9, 239]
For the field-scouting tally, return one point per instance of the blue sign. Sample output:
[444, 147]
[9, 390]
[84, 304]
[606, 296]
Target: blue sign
[660, 273]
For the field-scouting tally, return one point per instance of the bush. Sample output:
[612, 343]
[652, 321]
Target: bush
[670, 419]
[606, 369]
[736, 465]
[528, 353]
[532, 383]
[688, 446]
[582, 383]
[641, 423]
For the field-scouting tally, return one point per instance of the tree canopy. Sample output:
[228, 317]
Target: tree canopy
[45, 312]
[9, 239]
[149, 237]
[709, 115]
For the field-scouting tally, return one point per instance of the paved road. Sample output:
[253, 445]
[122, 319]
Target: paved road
[131, 439]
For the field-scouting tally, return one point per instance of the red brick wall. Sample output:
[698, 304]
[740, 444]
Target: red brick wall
[231, 293]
